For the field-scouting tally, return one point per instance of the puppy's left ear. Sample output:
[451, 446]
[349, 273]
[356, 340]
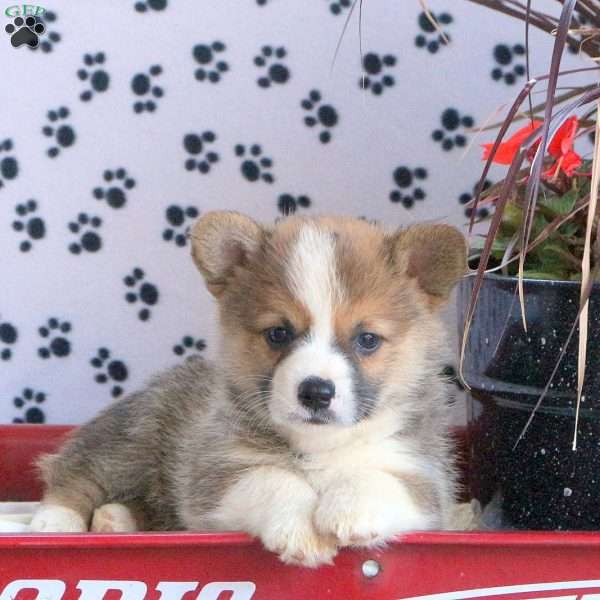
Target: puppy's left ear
[223, 241]
[434, 255]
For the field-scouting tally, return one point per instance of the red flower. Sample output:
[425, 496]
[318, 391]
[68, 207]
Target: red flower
[560, 147]
[507, 150]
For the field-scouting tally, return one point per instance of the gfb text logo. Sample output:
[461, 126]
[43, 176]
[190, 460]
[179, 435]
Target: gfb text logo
[26, 26]
[93, 589]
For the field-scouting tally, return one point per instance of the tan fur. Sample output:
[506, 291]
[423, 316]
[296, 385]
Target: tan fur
[199, 447]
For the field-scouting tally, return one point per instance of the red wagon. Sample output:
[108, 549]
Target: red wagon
[231, 566]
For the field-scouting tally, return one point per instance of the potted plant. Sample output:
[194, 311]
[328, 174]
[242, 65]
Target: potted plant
[529, 313]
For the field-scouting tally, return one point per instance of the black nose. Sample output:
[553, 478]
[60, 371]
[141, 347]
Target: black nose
[316, 393]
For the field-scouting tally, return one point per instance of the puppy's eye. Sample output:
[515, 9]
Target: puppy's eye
[367, 342]
[278, 337]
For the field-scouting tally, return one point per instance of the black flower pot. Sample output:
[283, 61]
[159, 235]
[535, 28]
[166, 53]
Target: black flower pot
[542, 483]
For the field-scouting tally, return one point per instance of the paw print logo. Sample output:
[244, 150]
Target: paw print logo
[8, 338]
[197, 146]
[53, 37]
[9, 167]
[322, 115]
[503, 55]
[28, 402]
[452, 121]
[29, 223]
[431, 38]
[254, 165]
[115, 194]
[54, 333]
[25, 32]
[142, 85]
[374, 77]
[339, 6]
[157, 5]
[110, 371]
[146, 293]
[270, 60]
[64, 135]
[177, 218]
[288, 204]
[189, 345]
[464, 199]
[84, 228]
[206, 56]
[407, 188]
[98, 78]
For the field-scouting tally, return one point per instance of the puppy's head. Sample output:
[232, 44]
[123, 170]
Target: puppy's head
[326, 322]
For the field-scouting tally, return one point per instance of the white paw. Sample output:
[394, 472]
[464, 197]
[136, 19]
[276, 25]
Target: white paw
[113, 518]
[359, 517]
[52, 517]
[297, 543]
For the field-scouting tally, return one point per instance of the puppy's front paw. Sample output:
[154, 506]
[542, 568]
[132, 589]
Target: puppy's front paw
[113, 518]
[358, 515]
[55, 518]
[298, 543]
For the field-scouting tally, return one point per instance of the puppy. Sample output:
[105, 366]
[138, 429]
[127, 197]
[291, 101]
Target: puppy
[324, 421]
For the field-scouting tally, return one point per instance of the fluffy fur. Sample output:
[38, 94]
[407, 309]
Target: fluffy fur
[229, 445]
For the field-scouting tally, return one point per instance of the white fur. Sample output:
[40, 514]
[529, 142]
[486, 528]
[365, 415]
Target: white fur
[313, 280]
[278, 507]
[113, 518]
[53, 518]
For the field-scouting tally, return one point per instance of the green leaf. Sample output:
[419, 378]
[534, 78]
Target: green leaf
[568, 229]
[560, 205]
[512, 217]
[542, 275]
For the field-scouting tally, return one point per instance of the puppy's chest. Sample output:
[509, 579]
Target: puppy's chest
[391, 456]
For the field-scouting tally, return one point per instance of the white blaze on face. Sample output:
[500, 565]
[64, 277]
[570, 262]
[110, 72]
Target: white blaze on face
[313, 279]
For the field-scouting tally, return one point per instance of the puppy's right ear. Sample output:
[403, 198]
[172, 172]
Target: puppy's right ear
[221, 242]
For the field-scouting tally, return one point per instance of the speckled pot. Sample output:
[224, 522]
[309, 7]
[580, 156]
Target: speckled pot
[543, 483]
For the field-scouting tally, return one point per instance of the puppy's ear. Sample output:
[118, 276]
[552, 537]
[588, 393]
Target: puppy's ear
[221, 242]
[434, 255]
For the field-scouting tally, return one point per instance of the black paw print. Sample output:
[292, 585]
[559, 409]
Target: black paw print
[115, 195]
[52, 37]
[8, 337]
[64, 135]
[483, 211]
[431, 38]
[277, 72]
[28, 223]
[142, 85]
[196, 145]
[25, 32]
[142, 7]
[205, 55]
[176, 218]
[338, 6]
[9, 167]
[407, 189]
[503, 55]
[59, 345]
[113, 371]
[189, 344]
[288, 204]
[254, 165]
[323, 115]
[84, 228]
[142, 290]
[29, 402]
[374, 76]
[451, 122]
[99, 79]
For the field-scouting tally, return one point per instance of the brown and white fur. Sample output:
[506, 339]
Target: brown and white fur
[233, 445]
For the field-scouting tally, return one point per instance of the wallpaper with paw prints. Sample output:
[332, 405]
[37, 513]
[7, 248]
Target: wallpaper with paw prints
[121, 122]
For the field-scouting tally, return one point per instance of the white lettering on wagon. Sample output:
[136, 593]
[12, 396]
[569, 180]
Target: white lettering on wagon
[96, 589]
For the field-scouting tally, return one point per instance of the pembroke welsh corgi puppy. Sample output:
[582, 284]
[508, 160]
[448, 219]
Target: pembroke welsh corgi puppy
[324, 420]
